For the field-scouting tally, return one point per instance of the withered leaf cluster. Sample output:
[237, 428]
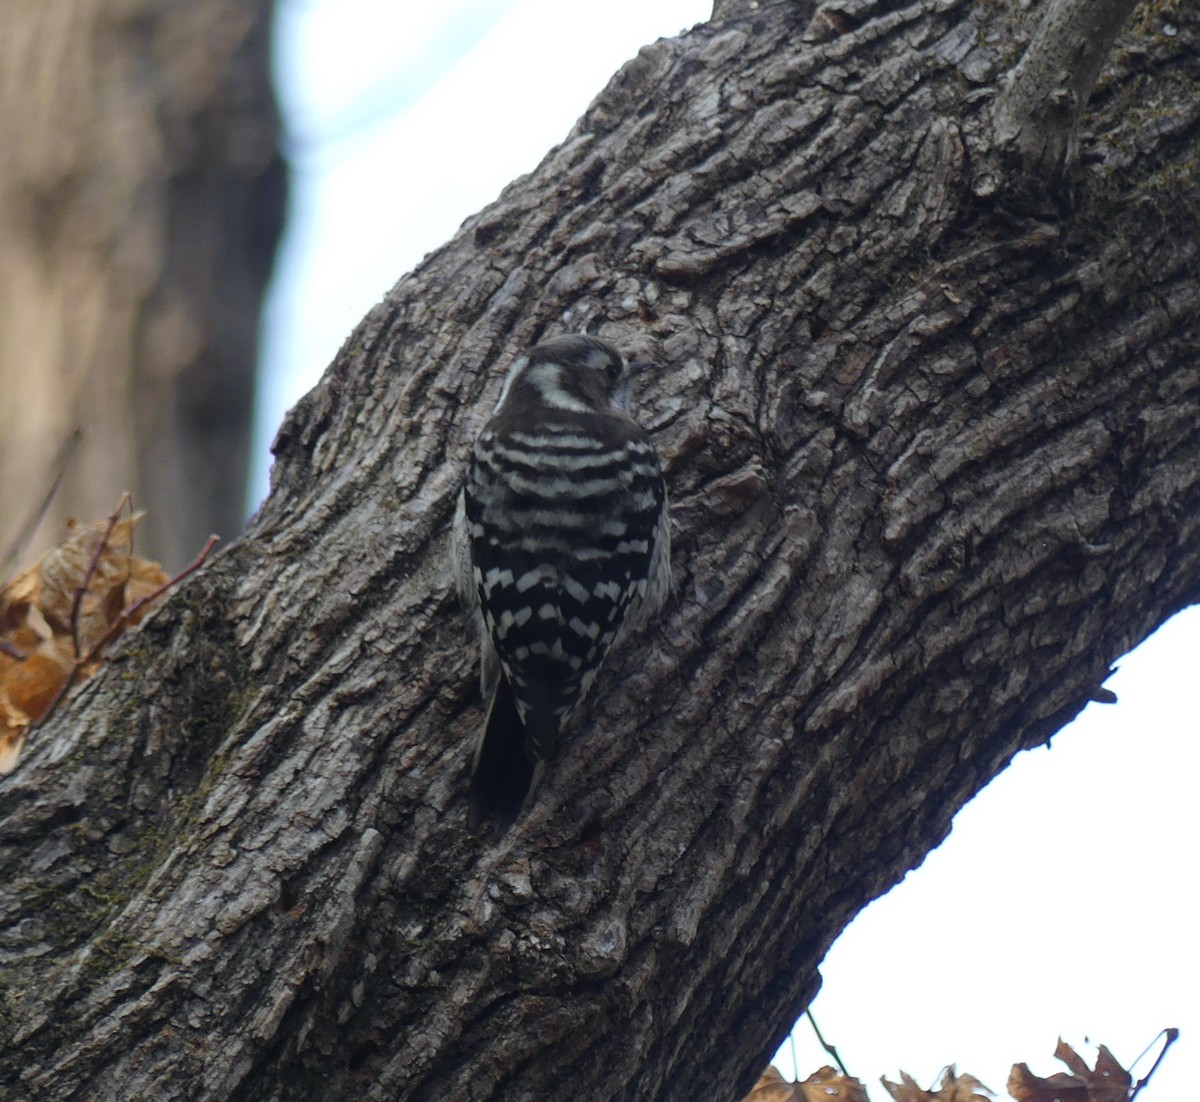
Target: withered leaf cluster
[1108, 1081]
[58, 617]
[953, 1088]
[825, 1085]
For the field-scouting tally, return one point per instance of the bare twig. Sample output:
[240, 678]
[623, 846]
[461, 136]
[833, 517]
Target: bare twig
[1172, 1035]
[93, 565]
[61, 461]
[825, 1044]
[1037, 114]
[118, 623]
[138, 605]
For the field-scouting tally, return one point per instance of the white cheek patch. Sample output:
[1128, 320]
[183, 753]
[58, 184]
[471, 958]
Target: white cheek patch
[547, 379]
[518, 366]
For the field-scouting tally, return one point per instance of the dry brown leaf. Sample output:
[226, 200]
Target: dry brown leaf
[17, 596]
[953, 1088]
[825, 1085]
[57, 616]
[29, 672]
[145, 579]
[30, 686]
[772, 1087]
[1024, 1086]
[11, 744]
[1107, 1082]
[962, 1088]
[65, 568]
[907, 1090]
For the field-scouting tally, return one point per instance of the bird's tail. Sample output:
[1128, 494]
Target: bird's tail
[502, 772]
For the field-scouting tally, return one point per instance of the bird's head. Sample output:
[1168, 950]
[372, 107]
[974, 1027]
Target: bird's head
[576, 372]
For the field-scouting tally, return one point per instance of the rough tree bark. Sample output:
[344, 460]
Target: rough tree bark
[141, 197]
[932, 437]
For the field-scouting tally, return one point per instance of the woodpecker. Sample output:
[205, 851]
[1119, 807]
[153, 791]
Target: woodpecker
[561, 539]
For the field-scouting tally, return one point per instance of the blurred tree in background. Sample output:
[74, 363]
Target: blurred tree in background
[141, 199]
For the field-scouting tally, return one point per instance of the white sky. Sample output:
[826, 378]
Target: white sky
[1065, 901]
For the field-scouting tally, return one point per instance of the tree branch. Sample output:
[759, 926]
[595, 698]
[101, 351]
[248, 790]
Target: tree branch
[1037, 114]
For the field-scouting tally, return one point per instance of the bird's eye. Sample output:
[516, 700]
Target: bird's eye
[614, 370]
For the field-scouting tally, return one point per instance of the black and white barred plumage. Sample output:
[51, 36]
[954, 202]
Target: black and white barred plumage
[561, 539]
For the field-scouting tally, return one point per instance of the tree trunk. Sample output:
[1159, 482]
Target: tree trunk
[931, 433]
[141, 196]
